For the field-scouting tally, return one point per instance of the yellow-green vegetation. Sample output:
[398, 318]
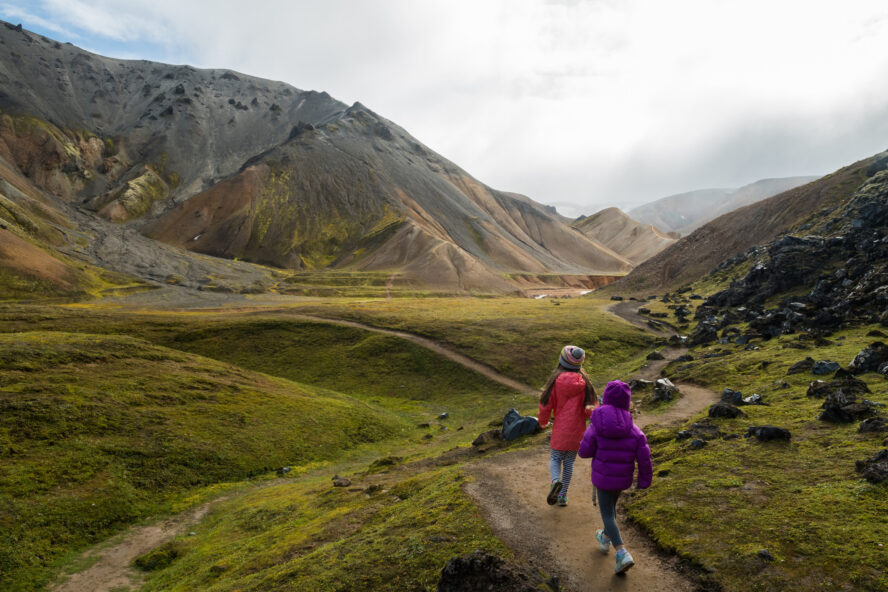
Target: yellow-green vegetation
[388, 370]
[140, 194]
[801, 501]
[520, 337]
[394, 534]
[99, 431]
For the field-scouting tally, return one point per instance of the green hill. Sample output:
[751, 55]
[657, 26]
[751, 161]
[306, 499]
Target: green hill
[99, 431]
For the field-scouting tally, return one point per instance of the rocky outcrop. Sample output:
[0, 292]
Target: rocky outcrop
[844, 269]
[482, 571]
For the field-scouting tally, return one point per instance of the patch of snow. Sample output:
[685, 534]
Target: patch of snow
[584, 292]
[197, 236]
[540, 296]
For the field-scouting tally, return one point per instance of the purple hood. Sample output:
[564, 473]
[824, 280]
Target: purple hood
[612, 419]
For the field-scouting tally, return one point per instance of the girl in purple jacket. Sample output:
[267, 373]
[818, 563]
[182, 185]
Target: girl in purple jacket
[615, 443]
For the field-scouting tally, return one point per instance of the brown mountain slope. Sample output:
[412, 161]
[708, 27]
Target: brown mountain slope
[229, 165]
[735, 232]
[361, 193]
[635, 241]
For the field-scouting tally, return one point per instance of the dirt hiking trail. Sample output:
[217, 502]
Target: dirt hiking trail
[113, 562]
[511, 489]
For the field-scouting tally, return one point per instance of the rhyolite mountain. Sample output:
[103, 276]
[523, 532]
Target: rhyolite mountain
[685, 212]
[634, 240]
[224, 164]
[731, 236]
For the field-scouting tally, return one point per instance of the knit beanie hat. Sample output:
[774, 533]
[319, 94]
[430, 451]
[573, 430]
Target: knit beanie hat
[572, 357]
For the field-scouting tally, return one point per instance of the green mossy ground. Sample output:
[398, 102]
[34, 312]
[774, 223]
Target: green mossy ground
[151, 413]
[98, 431]
[495, 330]
[310, 536]
[801, 501]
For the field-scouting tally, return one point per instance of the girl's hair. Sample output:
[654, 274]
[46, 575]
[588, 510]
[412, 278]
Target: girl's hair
[590, 399]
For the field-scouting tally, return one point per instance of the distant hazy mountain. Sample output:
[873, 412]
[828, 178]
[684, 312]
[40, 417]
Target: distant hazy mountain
[620, 233]
[685, 212]
[737, 231]
[234, 166]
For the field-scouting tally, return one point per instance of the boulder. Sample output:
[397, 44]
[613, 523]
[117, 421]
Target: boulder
[487, 437]
[638, 384]
[655, 355]
[724, 410]
[875, 468]
[703, 430]
[873, 424]
[482, 571]
[697, 444]
[870, 358]
[840, 407]
[824, 367]
[767, 433]
[803, 366]
[341, 481]
[731, 396]
[849, 386]
[704, 333]
[664, 390]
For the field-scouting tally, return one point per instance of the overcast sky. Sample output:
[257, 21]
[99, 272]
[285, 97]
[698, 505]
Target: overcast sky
[577, 103]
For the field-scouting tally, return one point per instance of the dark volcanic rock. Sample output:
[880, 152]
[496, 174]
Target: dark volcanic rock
[824, 367]
[768, 433]
[849, 386]
[638, 384]
[655, 355]
[705, 332]
[869, 359]
[482, 571]
[487, 437]
[731, 396]
[725, 410]
[840, 407]
[664, 390]
[703, 430]
[803, 366]
[697, 444]
[873, 424]
[875, 468]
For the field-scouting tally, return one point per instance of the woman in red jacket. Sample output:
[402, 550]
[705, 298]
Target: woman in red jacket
[570, 396]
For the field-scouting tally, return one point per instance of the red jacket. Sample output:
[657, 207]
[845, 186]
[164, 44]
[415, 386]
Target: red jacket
[566, 401]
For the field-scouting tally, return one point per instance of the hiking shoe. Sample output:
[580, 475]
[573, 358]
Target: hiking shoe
[562, 500]
[553, 492]
[604, 543]
[624, 562]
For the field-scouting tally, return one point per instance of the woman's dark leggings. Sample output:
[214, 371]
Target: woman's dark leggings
[607, 501]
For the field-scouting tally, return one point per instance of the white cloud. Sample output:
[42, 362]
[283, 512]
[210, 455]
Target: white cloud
[577, 101]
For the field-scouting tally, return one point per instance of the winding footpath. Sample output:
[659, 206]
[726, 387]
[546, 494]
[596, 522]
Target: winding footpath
[511, 488]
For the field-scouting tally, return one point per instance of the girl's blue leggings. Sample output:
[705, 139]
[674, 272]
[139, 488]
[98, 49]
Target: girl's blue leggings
[607, 501]
[561, 466]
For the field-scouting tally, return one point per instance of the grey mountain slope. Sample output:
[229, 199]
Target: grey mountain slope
[193, 136]
[207, 122]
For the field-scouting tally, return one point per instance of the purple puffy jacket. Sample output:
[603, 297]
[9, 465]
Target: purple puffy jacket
[614, 443]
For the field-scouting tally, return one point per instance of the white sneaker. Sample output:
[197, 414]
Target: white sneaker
[604, 543]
